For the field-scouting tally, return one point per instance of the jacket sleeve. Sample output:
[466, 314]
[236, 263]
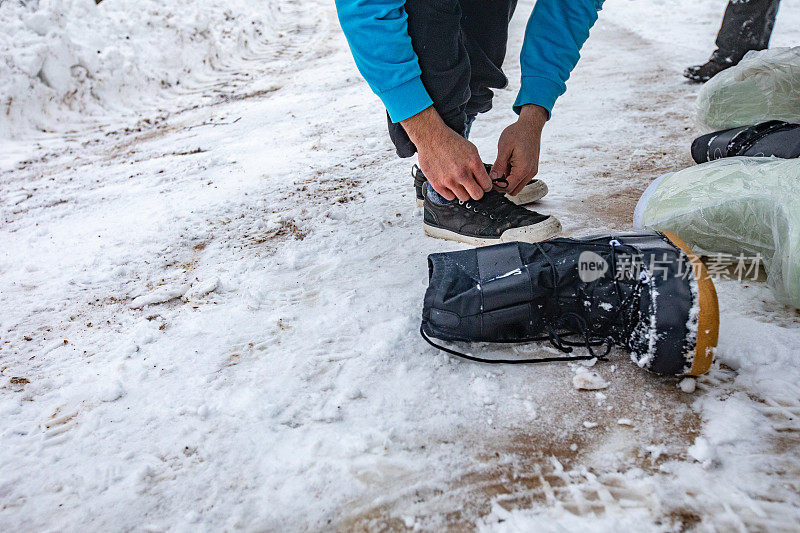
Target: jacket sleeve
[377, 33]
[554, 35]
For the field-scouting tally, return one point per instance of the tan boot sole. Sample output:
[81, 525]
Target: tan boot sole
[708, 319]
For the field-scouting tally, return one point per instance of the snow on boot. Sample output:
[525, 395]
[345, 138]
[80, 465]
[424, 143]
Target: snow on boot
[532, 192]
[645, 292]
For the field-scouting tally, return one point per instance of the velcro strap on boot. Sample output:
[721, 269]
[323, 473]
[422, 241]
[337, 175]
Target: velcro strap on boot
[505, 288]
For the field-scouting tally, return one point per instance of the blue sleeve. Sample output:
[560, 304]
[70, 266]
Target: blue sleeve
[377, 33]
[553, 38]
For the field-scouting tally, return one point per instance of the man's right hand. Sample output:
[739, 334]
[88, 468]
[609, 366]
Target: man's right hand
[450, 162]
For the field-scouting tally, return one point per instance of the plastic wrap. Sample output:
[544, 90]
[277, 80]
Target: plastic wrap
[764, 86]
[743, 206]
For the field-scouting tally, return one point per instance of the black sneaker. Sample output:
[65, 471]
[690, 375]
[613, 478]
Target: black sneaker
[532, 192]
[491, 220]
[703, 73]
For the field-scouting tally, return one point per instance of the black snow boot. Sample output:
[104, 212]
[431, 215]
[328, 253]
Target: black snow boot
[532, 192]
[645, 292]
[768, 139]
[491, 220]
[747, 25]
[703, 73]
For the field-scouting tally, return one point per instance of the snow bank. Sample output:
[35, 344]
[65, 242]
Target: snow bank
[62, 60]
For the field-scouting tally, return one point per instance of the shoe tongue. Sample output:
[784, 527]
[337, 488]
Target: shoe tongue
[490, 201]
[498, 199]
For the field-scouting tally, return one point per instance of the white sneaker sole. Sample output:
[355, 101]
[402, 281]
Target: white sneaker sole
[546, 229]
[533, 192]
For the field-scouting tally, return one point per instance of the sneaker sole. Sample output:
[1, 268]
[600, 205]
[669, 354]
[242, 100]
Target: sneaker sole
[532, 192]
[544, 230]
[708, 318]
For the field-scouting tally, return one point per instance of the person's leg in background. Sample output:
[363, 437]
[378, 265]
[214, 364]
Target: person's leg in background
[485, 26]
[747, 25]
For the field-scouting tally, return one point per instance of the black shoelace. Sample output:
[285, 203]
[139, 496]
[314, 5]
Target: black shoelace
[496, 206]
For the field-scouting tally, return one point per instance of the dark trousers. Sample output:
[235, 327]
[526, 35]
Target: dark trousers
[461, 45]
[747, 25]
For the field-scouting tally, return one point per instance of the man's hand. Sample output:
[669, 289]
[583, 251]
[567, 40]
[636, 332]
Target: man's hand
[450, 162]
[518, 149]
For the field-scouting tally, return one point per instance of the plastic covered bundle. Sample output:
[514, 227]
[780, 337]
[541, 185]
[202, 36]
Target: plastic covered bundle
[742, 206]
[764, 86]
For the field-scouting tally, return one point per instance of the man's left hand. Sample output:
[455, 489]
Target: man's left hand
[518, 149]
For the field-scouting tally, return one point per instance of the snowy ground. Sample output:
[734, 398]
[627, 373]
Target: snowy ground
[210, 299]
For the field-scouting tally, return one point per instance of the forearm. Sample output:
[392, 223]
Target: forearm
[425, 127]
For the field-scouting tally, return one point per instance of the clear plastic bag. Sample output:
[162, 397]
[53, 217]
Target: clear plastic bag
[764, 86]
[743, 206]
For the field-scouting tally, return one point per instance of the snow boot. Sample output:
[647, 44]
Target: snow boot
[646, 292]
[491, 220]
[703, 73]
[773, 138]
[532, 192]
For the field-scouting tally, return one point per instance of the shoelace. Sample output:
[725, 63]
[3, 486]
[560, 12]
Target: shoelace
[501, 179]
[496, 206]
[555, 340]
[580, 326]
[501, 182]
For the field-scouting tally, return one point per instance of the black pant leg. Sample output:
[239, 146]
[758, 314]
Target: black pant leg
[747, 25]
[485, 27]
[435, 30]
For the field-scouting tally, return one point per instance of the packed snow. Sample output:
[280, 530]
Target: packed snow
[211, 292]
[66, 59]
[587, 379]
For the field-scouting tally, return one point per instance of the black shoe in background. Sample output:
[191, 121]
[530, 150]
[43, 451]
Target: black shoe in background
[703, 73]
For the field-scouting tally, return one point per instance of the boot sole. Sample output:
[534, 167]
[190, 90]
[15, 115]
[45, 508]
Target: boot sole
[533, 192]
[546, 229]
[708, 319]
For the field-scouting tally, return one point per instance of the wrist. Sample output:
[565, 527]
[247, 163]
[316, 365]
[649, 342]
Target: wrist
[533, 114]
[424, 127]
